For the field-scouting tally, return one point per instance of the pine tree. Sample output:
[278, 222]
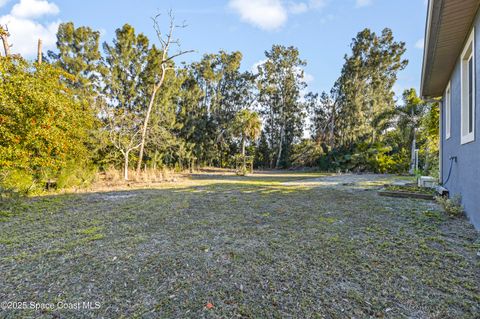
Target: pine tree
[364, 90]
[78, 54]
[280, 82]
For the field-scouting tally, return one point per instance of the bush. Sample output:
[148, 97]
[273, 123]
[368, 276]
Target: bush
[44, 125]
[366, 157]
[16, 181]
[452, 206]
[306, 154]
[242, 171]
[75, 175]
[113, 175]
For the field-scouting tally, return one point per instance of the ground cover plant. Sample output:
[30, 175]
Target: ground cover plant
[221, 246]
[411, 189]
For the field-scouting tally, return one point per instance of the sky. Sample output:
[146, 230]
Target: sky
[322, 30]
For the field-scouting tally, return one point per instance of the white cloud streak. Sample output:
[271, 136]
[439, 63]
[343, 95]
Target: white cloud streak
[271, 15]
[34, 9]
[264, 14]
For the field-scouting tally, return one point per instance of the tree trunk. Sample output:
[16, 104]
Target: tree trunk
[147, 119]
[243, 152]
[155, 158]
[280, 147]
[6, 47]
[125, 155]
[414, 146]
[332, 130]
[243, 145]
[39, 51]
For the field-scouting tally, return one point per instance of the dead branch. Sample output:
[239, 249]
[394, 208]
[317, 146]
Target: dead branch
[39, 51]
[4, 34]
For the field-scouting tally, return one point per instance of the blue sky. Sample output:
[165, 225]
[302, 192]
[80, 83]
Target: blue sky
[321, 29]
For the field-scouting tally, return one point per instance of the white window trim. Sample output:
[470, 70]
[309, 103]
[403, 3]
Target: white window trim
[470, 137]
[448, 112]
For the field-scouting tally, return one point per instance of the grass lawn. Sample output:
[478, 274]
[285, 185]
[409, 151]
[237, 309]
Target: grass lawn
[263, 246]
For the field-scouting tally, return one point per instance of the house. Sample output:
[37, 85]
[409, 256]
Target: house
[451, 72]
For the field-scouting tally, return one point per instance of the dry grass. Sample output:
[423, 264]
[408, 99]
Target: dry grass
[227, 246]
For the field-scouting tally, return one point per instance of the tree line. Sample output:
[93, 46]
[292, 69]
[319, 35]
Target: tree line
[127, 103]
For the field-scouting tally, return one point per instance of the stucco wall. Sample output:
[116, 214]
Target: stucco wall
[465, 177]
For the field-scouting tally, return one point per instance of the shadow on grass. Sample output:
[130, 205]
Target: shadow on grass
[247, 245]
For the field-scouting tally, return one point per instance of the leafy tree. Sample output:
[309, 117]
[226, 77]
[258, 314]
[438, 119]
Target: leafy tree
[214, 92]
[78, 54]
[43, 126]
[280, 82]
[429, 136]
[262, 152]
[125, 90]
[322, 114]
[409, 118]
[247, 125]
[164, 145]
[364, 90]
[306, 153]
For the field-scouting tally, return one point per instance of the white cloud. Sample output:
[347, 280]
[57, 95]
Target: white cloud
[25, 30]
[24, 34]
[419, 44]
[272, 14]
[363, 3]
[265, 14]
[34, 8]
[255, 66]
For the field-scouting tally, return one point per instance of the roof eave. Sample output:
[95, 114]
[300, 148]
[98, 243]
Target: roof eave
[428, 54]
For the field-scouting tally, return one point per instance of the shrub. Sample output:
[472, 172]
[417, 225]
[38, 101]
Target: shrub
[75, 175]
[306, 154]
[44, 125]
[113, 175]
[242, 171]
[16, 181]
[453, 206]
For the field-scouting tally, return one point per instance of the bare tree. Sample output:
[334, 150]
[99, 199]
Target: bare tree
[123, 131]
[4, 34]
[166, 41]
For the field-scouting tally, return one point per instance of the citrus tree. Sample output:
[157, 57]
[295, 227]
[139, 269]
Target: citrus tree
[43, 124]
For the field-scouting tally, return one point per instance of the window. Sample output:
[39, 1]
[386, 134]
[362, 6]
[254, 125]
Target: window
[448, 112]
[468, 92]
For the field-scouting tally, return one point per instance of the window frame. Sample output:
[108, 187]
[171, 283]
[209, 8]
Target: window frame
[465, 84]
[448, 112]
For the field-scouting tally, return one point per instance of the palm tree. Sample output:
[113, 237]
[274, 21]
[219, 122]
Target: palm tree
[409, 117]
[247, 125]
